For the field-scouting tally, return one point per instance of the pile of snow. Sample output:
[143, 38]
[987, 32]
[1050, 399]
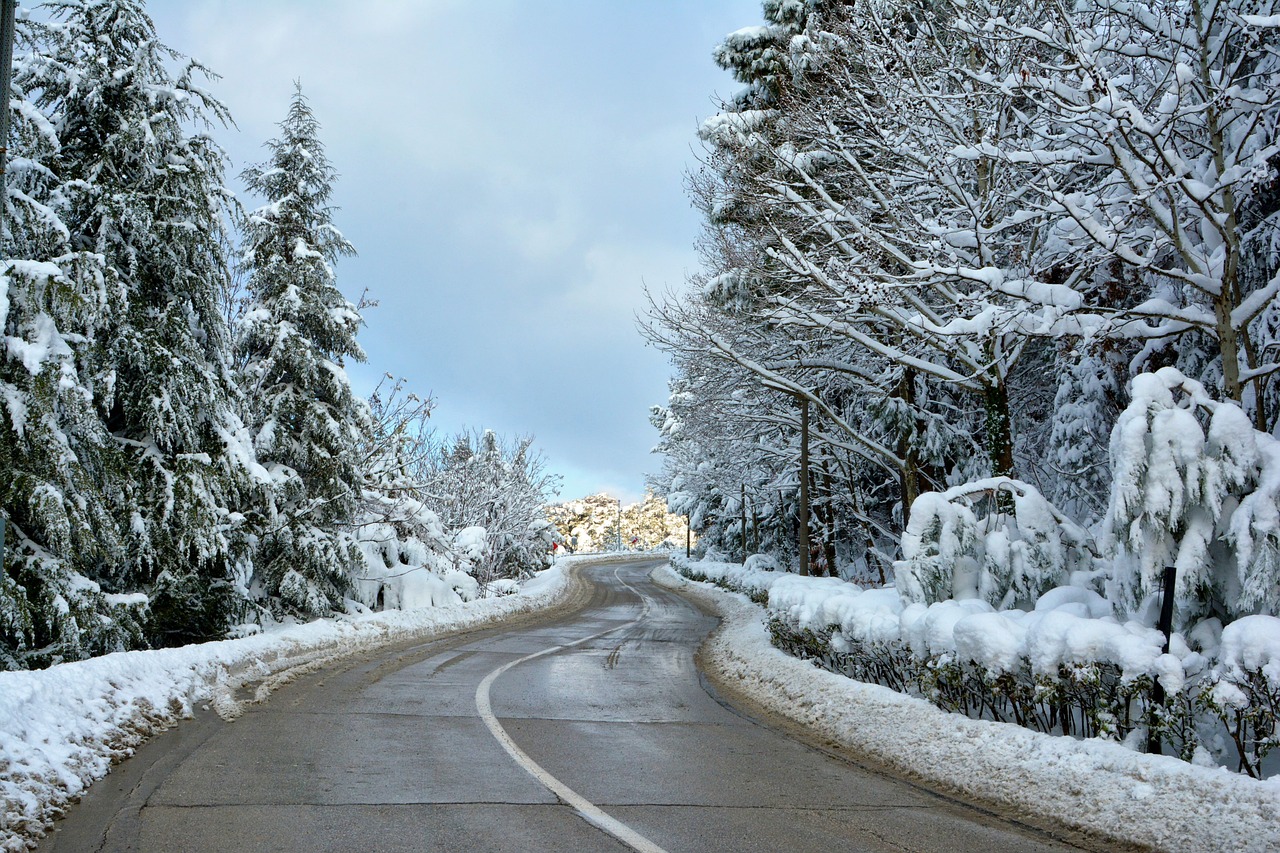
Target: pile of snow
[62, 728]
[954, 647]
[1069, 625]
[754, 578]
[1092, 785]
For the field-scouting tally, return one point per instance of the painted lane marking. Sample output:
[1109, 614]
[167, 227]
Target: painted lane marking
[589, 811]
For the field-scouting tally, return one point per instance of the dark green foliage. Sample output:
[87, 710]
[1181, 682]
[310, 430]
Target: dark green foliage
[122, 445]
[296, 332]
[187, 608]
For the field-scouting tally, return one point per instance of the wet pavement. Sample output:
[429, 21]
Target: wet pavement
[618, 734]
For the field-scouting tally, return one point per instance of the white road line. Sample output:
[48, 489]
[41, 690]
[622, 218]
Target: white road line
[589, 811]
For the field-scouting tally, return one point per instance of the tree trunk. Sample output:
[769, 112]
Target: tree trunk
[999, 429]
[906, 450]
[755, 528]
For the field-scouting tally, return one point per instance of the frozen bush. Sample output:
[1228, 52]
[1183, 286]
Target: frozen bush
[1196, 487]
[1017, 549]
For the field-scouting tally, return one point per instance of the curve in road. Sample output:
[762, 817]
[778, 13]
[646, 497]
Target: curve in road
[617, 744]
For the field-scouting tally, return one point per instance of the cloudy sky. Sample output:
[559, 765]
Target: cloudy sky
[512, 177]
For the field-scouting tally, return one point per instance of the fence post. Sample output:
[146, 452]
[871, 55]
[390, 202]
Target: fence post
[1164, 626]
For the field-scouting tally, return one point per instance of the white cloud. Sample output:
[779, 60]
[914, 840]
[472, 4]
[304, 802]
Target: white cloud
[512, 175]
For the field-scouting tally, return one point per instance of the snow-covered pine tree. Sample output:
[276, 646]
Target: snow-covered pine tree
[140, 194]
[294, 337]
[1197, 488]
[53, 447]
[1084, 408]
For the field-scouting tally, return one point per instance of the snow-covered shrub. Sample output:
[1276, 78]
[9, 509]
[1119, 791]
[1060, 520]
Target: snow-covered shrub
[753, 583]
[761, 563]
[1067, 667]
[1196, 487]
[470, 546]
[483, 482]
[1020, 548]
[501, 587]
[1244, 689]
[466, 587]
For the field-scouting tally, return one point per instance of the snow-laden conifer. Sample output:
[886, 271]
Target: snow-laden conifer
[1197, 488]
[296, 333]
[1084, 407]
[61, 537]
[141, 188]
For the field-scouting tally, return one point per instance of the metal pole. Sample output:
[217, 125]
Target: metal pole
[688, 534]
[619, 524]
[804, 486]
[7, 9]
[1164, 626]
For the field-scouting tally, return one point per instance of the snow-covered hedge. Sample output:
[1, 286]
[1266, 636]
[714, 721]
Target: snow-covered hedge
[1065, 667]
[1121, 798]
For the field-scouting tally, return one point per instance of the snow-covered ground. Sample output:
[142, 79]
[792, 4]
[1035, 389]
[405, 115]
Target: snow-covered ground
[62, 728]
[1095, 786]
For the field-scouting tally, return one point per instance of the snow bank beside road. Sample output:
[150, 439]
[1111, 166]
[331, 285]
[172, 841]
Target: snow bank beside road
[63, 727]
[1098, 787]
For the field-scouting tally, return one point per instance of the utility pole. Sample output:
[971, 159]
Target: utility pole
[1165, 626]
[804, 486]
[7, 11]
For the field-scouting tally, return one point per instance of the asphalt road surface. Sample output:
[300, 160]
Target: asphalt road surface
[587, 731]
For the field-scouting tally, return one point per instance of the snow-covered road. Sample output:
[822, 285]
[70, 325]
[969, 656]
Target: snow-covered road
[566, 732]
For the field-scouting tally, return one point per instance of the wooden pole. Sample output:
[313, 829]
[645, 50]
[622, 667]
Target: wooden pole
[742, 517]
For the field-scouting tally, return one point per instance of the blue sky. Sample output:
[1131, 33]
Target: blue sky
[512, 175]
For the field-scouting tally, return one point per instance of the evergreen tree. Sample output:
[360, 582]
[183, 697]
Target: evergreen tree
[140, 186]
[297, 330]
[54, 449]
